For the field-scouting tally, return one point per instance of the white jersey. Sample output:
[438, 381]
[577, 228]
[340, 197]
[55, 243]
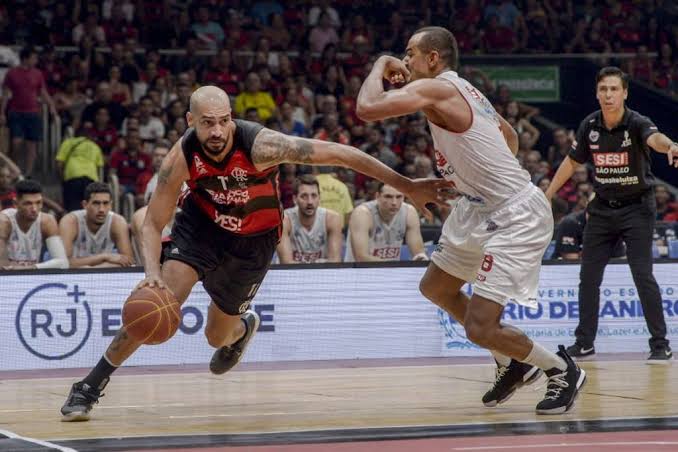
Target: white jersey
[478, 160]
[308, 245]
[24, 248]
[385, 240]
[87, 244]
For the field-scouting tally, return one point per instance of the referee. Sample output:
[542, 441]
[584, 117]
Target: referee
[616, 141]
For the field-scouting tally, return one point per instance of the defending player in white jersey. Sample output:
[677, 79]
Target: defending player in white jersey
[310, 233]
[378, 228]
[94, 236]
[24, 231]
[498, 231]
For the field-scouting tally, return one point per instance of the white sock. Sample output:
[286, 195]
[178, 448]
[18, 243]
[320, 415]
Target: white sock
[503, 360]
[544, 359]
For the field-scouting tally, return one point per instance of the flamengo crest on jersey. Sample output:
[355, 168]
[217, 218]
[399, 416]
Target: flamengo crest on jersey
[478, 160]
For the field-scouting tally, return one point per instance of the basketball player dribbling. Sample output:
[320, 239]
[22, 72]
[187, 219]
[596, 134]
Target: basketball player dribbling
[498, 231]
[227, 230]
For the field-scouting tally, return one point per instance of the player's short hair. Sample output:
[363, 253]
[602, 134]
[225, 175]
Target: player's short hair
[612, 71]
[305, 179]
[442, 41]
[97, 187]
[27, 187]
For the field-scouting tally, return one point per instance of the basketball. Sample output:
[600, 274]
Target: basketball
[151, 315]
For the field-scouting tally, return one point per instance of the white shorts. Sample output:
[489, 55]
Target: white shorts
[499, 251]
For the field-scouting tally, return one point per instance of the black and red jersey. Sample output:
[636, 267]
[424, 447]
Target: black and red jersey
[233, 193]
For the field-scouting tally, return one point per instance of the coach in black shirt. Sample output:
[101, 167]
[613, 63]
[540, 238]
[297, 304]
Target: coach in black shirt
[616, 141]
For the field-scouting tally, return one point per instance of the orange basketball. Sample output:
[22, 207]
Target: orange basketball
[151, 315]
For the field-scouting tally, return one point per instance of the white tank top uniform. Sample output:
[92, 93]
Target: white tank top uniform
[385, 239]
[88, 244]
[24, 248]
[500, 228]
[308, 245]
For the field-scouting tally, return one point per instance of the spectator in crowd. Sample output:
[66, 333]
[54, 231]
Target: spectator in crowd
[25, 230]
[562, 142]
[129, 162]
[79, 161]
[209, 33]
[148, 181]
[288, 124]
[665, 200]
[104, 98]
[378, 228]
[94, 236]
[324, 7]
[310, 233]
[7, 192]
[102, 132]
[151, 127]
[254, 97]
[323, 34]
[71, 102]
[23, 86]
[91, 29]
[569, 237]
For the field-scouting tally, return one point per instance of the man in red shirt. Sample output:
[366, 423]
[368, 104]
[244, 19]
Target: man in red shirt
[130, 162]
[25, 83]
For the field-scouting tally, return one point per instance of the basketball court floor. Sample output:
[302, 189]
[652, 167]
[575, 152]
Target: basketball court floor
[379, 405]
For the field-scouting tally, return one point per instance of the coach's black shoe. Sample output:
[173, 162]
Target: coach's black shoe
[577, 350]
[226, 357]
[80, 400]
[508, 379]
[562, 387]
[660, 355]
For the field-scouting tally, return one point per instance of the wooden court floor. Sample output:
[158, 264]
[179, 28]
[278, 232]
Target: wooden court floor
[194, 402]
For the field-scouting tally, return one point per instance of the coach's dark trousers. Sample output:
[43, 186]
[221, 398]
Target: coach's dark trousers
[634, 222]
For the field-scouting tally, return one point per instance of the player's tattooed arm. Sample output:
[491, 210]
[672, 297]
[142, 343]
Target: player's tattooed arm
[164, 175]
[272, 148]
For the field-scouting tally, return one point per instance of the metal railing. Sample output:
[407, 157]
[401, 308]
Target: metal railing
[51, 140]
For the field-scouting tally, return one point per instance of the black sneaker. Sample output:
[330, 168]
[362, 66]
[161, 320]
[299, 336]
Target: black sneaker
[226, 357]
[80, 400]
[562, 387]
[660, 355]
[508, 379]
[577, 350]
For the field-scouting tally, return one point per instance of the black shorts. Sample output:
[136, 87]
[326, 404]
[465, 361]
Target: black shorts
[231, 267]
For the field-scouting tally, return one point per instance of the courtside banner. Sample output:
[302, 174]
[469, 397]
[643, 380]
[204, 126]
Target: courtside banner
[527, 83]
[66, 320]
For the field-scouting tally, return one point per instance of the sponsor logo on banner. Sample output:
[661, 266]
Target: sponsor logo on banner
[54, 321]
[455, 335]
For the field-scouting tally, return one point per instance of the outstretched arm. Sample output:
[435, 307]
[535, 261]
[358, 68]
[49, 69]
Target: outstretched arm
[272, 148]
[374, 103]
[663, 144]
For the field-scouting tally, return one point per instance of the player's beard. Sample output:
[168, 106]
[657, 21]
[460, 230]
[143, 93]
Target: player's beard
[305, 211]
[209, 148]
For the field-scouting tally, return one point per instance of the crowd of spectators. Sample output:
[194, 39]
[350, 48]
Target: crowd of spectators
[297, 67]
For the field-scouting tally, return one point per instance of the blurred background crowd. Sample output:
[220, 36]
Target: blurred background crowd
[118, 75]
